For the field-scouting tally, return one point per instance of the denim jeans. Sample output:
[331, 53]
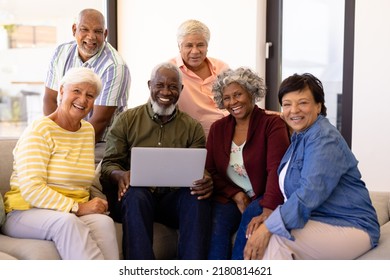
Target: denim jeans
[225, 221]
[178, 209]
[253, 210]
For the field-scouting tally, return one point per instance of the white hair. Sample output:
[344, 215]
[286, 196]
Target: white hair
[190, 27]
[78, 75]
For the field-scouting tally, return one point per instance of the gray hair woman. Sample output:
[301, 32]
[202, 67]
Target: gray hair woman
[243, 153]
[53, 171]
[245, 77]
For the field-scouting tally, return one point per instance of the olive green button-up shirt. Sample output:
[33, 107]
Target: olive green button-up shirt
[140, 127]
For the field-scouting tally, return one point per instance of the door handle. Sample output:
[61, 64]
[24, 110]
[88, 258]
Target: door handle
[267, 47]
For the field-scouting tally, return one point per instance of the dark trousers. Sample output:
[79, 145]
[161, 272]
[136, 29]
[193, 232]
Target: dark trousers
[253, 210]
[140, 208]
[225, 221]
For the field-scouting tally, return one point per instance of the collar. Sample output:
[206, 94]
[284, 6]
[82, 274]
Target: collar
[181, 65]
[298, 135]
[90, 61]
[256, 117]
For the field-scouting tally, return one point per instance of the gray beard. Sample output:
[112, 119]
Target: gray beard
[161, 111]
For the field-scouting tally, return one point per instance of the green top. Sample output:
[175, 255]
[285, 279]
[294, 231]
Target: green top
[140, 127]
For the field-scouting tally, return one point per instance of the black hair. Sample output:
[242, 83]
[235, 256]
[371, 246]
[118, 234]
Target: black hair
[298, 82]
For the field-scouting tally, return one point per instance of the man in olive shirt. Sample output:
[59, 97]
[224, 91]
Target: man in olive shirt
[158, 123]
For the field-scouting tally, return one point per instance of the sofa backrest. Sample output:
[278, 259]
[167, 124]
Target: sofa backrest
[6, 161]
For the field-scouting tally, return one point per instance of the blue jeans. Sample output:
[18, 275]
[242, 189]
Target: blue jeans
[253, 210]
[225, 221]
[178, 209]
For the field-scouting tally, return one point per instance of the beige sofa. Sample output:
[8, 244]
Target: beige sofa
[165, 239]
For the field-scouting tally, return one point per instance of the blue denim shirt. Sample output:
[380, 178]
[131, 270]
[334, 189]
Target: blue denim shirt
[323, 183]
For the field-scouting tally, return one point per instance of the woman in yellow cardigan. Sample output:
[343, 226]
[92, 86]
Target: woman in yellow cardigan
[53, 171]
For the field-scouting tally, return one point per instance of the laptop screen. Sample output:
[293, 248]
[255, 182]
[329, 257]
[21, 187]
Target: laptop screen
[166, 167]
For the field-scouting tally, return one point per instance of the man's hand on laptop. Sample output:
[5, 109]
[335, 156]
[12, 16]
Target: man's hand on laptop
[203, 188]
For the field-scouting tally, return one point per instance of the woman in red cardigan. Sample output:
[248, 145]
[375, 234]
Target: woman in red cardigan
[244, 150]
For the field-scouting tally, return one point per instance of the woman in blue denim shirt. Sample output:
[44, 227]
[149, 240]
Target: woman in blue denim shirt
[327, 213]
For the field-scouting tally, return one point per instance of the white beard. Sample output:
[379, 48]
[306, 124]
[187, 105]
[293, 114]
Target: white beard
[161, 111]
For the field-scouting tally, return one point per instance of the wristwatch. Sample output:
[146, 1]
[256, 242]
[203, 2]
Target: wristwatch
[75, 208]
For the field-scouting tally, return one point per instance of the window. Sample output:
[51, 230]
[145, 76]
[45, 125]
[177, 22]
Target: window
[30, 36]
[313, 36]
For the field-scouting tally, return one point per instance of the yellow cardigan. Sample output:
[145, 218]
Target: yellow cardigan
[52, 168]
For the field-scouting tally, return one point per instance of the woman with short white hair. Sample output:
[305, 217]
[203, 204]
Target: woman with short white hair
[53, 171]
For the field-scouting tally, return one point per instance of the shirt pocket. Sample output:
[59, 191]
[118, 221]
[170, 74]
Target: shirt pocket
[296, 164]
[295, 172]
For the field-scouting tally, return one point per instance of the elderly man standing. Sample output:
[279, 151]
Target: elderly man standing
[158, 123]
[89, 49]
[199, 73]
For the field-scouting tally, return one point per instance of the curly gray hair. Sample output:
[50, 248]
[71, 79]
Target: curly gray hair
[245, 77]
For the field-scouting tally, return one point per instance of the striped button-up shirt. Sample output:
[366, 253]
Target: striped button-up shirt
[107, 63]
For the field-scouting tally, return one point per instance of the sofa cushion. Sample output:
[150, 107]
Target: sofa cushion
[382, 251]
[29, 249]
[4, 256]
[96, 189]
[164, 241]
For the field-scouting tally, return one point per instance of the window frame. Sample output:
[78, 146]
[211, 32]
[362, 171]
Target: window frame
[274, 69]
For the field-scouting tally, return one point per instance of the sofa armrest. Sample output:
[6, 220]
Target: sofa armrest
[382, 251]
[7, 158]
[381, 202]
[28, 249]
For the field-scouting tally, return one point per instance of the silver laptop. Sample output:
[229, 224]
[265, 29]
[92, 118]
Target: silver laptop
[166, 167]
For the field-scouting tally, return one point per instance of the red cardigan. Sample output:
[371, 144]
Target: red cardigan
[266, 143]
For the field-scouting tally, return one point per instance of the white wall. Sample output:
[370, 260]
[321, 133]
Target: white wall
[371, 92]
[147, 34]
